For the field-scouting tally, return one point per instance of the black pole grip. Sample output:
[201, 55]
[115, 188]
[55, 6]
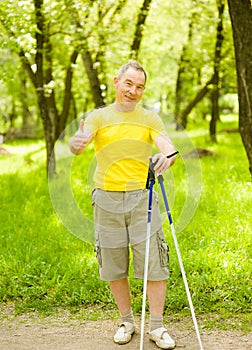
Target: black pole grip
[151, 174]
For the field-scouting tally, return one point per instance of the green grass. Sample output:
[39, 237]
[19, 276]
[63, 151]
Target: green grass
[44, 267]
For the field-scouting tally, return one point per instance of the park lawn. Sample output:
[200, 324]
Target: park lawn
[44, 265]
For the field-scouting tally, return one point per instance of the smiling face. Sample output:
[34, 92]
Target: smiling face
[129, 88]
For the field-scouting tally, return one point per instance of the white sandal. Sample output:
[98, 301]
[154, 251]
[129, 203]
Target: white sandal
[162, 339]
[124, 333]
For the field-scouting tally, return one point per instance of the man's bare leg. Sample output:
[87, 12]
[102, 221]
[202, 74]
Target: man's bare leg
[156, 292]
[121, 292]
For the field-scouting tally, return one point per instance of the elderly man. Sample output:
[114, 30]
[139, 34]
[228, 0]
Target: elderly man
[124, 134]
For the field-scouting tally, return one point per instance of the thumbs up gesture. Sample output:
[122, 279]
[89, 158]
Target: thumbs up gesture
[80, 140]
[81, 128]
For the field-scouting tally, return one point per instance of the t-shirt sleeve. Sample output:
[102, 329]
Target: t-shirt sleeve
[157, 127]
[93, 121]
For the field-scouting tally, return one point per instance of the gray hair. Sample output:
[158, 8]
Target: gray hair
[131, 64]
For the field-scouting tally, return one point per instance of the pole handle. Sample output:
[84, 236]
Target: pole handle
[171, 155]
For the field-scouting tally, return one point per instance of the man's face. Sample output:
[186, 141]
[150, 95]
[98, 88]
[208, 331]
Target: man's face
[130, 87]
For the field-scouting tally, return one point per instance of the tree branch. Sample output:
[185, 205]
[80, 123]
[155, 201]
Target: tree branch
[199, 96]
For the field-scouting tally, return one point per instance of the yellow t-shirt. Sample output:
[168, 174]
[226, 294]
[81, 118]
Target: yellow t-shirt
[123, 143]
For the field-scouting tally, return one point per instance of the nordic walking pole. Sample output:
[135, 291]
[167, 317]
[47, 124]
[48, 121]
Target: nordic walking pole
[161, 182]
[149, 184]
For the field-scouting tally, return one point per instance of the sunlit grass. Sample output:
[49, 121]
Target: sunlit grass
[24, 156]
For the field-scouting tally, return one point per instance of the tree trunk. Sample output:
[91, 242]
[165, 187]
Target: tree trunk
[217, 58]
[182, 65]
[39, 83]
[241, 18]
[215, 110]
[144, 11]
[61, 123]
[26, 114]
[93, 79]
[50, 91]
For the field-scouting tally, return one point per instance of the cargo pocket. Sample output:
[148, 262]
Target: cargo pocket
[163, 250]
[97, 250]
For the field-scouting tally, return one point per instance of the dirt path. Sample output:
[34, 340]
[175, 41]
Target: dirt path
[66, 334]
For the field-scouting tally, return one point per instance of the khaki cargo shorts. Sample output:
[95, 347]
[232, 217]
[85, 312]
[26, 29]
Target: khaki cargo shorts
[121, 223]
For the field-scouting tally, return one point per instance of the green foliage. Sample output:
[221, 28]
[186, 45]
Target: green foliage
[44, 267]
[106, 29]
